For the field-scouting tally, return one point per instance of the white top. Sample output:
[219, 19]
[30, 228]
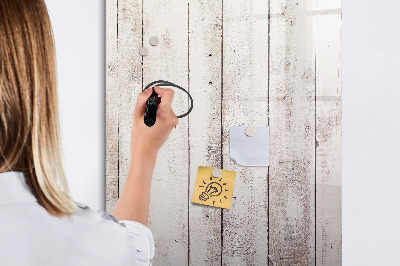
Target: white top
[29, 235]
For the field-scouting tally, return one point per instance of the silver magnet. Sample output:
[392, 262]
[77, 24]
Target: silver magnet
[250, 131]
[143, 51]
[216, 173]
[154, 41]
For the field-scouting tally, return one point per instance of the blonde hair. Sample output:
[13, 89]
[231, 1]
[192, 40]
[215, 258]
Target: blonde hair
[29, 120]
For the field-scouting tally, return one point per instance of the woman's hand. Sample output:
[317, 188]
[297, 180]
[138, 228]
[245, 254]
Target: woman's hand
[148, 140]
[134, 200]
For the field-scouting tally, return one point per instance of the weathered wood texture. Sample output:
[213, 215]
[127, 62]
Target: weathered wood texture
[205, 44]
[168, 20]
[129, 75]
[328, 134]
[111, 138]
[246, 63]
[292, 135]
[245, 103]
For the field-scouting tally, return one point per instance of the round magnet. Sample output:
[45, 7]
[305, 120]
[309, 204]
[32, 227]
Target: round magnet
[250, 131]
[216, 173]
[143, 51]
[154, 41]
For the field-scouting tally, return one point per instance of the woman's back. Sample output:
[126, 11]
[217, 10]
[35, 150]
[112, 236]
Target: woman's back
[29, 235]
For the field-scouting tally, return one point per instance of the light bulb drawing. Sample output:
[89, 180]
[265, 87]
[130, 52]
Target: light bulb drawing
[213, 189]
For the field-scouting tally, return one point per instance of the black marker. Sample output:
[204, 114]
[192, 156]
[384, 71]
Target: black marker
[151, 109]
[170, 84]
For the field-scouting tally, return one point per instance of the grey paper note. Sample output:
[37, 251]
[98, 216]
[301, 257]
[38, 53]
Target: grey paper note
[249, 150]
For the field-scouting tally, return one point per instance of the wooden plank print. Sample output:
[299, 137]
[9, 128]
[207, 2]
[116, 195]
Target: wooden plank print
[328, 135]
[292, 134]
[245, 103]
[168, 21]
[205, 66]
[246, 63]
[111, 139]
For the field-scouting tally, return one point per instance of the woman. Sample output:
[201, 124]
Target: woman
[40, 224]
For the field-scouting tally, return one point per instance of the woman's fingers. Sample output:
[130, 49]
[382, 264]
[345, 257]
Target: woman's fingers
[141, 102]
[167, 95]
[164, 109]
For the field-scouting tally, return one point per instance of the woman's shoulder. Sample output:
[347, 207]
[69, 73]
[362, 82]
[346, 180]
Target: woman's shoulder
[138, 236]
[85, 211]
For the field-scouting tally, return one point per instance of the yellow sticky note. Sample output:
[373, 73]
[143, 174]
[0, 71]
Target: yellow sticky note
[212, 191]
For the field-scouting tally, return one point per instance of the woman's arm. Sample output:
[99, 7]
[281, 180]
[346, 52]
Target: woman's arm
[133, 203]
[134, 200]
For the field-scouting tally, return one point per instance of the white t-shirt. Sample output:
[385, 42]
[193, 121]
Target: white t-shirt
[29, 235]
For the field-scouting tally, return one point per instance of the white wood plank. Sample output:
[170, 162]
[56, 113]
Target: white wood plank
[111, 139]
[292, 125]
[245, 103]
[205, 59]
[129, 75]
[328, 135]
[168, 20]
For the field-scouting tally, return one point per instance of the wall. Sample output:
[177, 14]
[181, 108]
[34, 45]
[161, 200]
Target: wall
[79, 33]
[370, 223]
[371, 130]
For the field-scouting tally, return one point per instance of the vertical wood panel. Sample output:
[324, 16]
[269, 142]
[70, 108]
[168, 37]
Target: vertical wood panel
[292, 122]
[111, 139]
[245, 103]
[168, 20]
[129, 75]
[205, 58]
[328, 135]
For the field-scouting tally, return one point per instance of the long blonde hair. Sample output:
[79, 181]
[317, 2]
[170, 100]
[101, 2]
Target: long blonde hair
[29, 120]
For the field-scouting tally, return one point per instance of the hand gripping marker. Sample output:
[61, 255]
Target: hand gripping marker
[153, 101]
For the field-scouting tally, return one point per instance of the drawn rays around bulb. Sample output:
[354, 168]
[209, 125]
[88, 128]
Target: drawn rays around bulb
[213, 189]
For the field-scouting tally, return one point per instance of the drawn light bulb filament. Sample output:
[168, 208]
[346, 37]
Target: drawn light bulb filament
[213, 189]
